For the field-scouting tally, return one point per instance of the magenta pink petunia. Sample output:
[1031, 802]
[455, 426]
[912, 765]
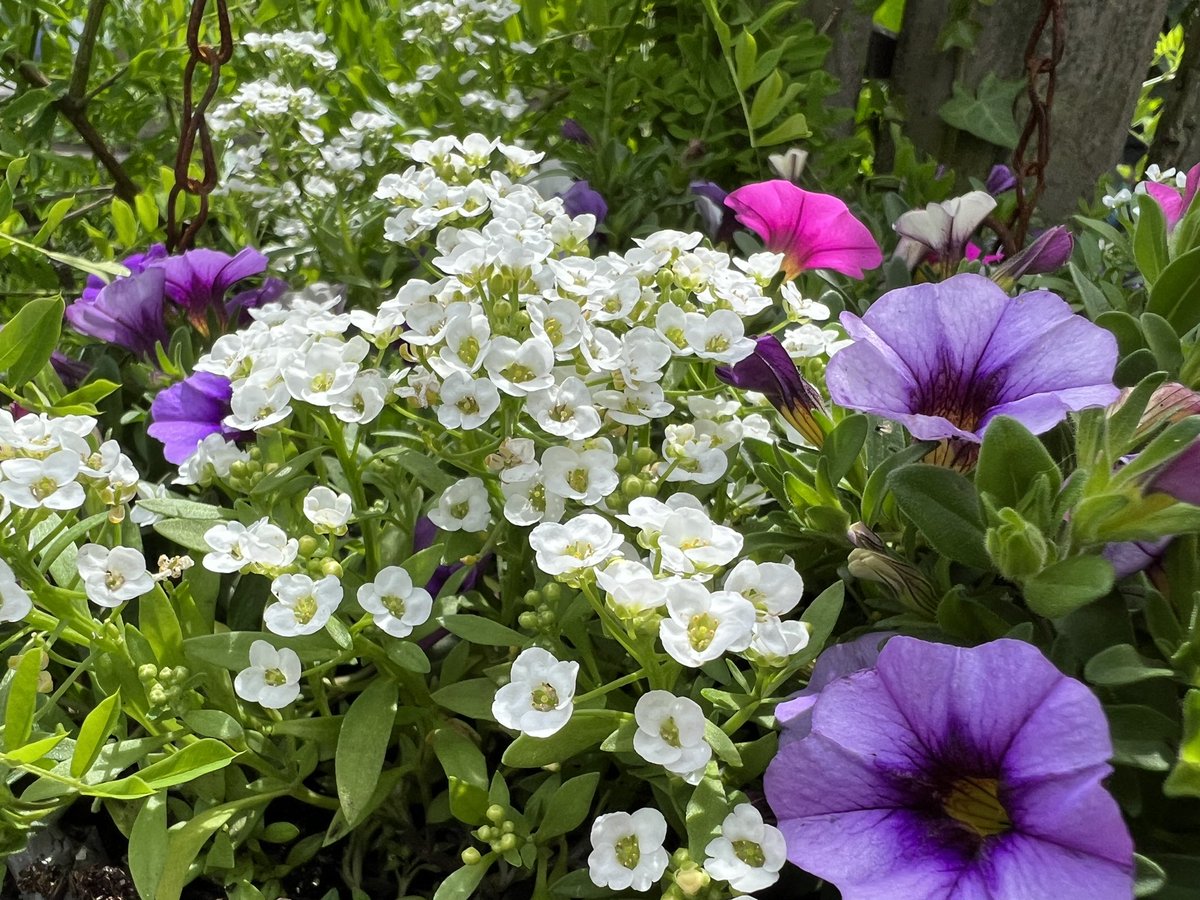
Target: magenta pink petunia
[1175, 203]
[812, 231]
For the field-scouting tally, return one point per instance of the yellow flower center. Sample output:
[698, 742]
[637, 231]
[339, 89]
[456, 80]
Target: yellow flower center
[749, 852]
[628, 852]
[544, 697]
[975, 803]
[701, 631]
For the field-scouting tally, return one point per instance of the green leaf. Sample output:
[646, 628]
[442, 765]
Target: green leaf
[875, 489]
[721, 744]
[103, 269]
[792, 128]
[148, 845]
[461, 883]
[570, 808]
[821, 617]
[466, 770]
[484, 632]
[1150, 239]
[408, 656]
[706, 810]
[1176, 294]
[764, 108]
[204, 756]
[843, 445]
[97, 727]
[1142, 737]
[745, 52]
[290, 469]
[945, 508]
[29, 338]
[1065, 586]
[53, 219]
[988, 113]
[1184, 780]
[1163, 342]
[231, 649]
[1010, 462]
[362, 746]
[214, 723]
[183, 509]
[1121, 664]
[22, 699]
[585, 730]
[124, 222]
[147, 211]
[187, 533]
[471, 698]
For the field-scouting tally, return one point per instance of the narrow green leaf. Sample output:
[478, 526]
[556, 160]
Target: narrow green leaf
[97, 727]
[1121, 664]
[22, 699]
[1150, 239]
[585, 730]
[572, 803]
[485, 632]
[148, 841]
[362, 746]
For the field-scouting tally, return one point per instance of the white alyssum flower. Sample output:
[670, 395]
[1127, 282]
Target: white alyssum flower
[213, 458]
[466, 402]
[302, 605]
[703, 625]
[43, 483]
[328, 510]
[627, 850]
[463, 507]
[631, 587]
[110, 577]
[799, 308]
[773, 588]
[538, 699]
[394, 604]
[671, 734]
[15, 602]
[273, 678]
[235, 546]
[574, 547]
[690, 543]
[749, 853]
[776, 640]
[566, 410]
[720, 337]
[586, 475]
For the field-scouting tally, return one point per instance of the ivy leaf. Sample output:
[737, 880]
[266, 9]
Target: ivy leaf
[988, 113]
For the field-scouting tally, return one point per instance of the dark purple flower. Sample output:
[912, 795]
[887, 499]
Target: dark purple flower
[136, 263]
[186, 413]
[424, 534]
[199, 279]
[1048, 252]
[573, 131]
[1000, 180]
[718, 219]
[128, 312]
[70, 372]
[580, 199]
[771, 371]
[945, 359]
[1179, 476]
[945, 773]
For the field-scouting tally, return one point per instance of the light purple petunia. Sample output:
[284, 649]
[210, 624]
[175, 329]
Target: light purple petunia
[811, 230]
[186, 413]
[945, 773]
[945, 359]
[128, 312]
[135, 263]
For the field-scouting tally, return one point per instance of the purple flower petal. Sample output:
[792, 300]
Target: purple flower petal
[186, 413]
[128, 312]
[580, 199]
[200, 278]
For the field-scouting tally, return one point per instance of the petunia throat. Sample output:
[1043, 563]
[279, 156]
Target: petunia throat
[975, 804]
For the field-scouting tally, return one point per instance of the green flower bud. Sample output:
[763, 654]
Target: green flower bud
[331, 567]
[495, 813]
[308, 545]
[507, 842]
[624, 465]
[1016, 546]
[553, 592]
[528, 620]
[644, 456]
[471, 857]
[632, 486]
[532, 598]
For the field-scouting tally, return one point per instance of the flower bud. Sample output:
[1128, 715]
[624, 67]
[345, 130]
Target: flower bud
[1016, 546]
[906, 582]
[471, 857]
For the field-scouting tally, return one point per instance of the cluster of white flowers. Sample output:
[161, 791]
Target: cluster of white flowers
[295, 351]
[627, 850]
[470, 26]
[261, 105]
[54, 463]
[260, 547]
[282, 44]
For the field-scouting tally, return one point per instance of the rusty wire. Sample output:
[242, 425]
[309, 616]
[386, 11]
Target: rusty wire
[1040, 72]
[194, 127]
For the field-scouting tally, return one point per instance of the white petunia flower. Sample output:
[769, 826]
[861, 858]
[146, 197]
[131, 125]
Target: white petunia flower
[272, 679]
[15, 602]
[627, 850]
[577, 546]
[328, 510]
[302, 605]
[537, 700]
[463, 507]
[395, 605]
[110, 577]
[671, 734]
[704, 625]
[773, 588]
[689, 543]
[749, 853]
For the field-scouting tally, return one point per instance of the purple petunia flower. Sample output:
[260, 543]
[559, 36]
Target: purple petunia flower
[1000, 180]
[945, 359]
[137, 262]
[718, 219]
[199, 279]
[945, 773]
[128, 312]
[580, 199]
[811, 230]
[186, 413]
[573, 131]
[771, 371]
[1048, 252]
